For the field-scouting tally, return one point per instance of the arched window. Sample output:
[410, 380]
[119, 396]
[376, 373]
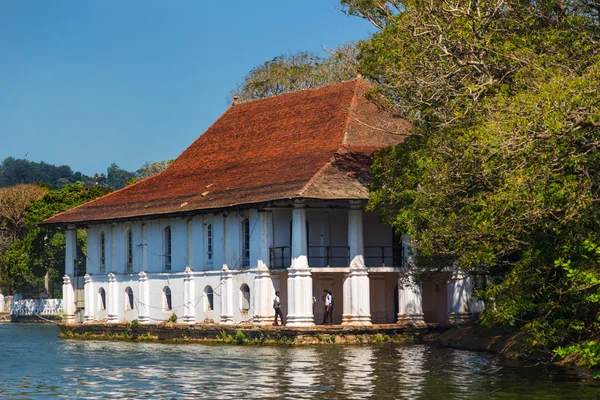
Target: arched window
[209, 299]
[209, 242]
[101, 299]
[128, 299]
[167, 305]
[129, 250]
[102, 252]
[244, 298]
[167, 249]
[245, 243]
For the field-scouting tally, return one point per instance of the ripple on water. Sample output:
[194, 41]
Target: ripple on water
[36, 364]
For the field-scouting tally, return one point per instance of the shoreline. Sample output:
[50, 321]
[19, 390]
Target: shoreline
[251, 334]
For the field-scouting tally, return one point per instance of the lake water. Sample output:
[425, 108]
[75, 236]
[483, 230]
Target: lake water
[34, 363]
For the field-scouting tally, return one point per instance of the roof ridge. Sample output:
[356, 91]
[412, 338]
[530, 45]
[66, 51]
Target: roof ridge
[344, 146]
[298, 91]
[315, 176]
[351, 109]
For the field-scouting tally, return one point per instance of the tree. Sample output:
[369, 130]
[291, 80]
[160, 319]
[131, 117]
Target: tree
[117, 177]
[19, 171]
[299, 71]
[13, 204]
[149, 169]
[42, 250]
[501, 174]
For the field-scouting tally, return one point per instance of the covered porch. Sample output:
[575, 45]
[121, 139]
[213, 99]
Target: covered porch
[340, 248]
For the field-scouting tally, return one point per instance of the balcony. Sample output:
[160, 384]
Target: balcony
[337, 256]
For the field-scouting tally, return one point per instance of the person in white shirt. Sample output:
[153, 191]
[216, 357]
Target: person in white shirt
[328, 313]
[277, 308]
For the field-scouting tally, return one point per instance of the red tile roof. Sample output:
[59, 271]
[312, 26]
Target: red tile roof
[308, 144]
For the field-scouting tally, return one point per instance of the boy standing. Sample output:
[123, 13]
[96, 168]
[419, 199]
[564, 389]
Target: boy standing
[277, 308]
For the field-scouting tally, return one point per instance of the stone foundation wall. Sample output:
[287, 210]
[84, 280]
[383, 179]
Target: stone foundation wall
[244, 334]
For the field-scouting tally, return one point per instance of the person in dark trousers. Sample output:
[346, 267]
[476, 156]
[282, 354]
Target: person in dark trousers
[327, 311]
[330, 296]
[277, 307]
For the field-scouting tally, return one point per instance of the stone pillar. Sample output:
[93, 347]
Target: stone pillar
[143, 298]
[300, 291]
[189, 309]
[113, 310]
[459, 297]
[226, 296]
[410, 301]
[68, 300]
[263, 297]
[89, 298]
[357, 302]
[355, 235]
[70, 251]
[261, 224]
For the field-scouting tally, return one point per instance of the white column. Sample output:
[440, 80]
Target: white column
[143, 298]
[357, 302]
[144, 247]
[70, 257]
[68, 300]
[261, 226]
[263, 297]
[300, 291]
[459, 297]
[89, 298]
[355, 235]
[410, 301]
[113, 310]
[226, 296]
[70, 251]
[189, 309]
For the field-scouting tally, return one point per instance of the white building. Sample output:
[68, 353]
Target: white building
[270, 198]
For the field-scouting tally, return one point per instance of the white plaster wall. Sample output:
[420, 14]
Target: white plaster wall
[198, 251]
[233, 246]
[158, 281]
[201, 280]
[239, 279]
[326, 227]
[218, 223]
[92, 265]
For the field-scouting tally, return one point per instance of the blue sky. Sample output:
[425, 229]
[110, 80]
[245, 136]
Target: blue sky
[88, 83]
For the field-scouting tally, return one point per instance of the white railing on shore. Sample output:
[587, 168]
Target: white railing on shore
[36, 307]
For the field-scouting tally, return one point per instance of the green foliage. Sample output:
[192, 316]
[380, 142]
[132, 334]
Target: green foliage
[173, 318]
[501, 175]
[149, 169]
[41, 250]
[588, 353]
[134, 324]
[18, 171]
[240, 337]
[299, 71]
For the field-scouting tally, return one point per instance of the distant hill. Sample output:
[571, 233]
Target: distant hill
[15, 171]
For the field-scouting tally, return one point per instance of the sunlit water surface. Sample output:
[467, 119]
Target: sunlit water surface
[34, 363]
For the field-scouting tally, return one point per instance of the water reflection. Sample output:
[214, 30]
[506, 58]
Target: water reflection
[358, 374]
[35, 364]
